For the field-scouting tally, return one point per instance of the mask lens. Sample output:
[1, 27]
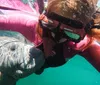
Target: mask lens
[72, 35]
[52, 24]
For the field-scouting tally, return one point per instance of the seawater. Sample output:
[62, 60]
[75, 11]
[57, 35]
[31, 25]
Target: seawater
[77, 71]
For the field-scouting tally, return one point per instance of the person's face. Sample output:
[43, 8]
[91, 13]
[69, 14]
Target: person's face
[61, 27]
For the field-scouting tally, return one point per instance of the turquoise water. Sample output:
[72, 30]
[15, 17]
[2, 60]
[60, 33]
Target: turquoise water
[77, 71]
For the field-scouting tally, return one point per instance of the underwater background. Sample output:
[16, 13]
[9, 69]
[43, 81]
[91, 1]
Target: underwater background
[77, 71]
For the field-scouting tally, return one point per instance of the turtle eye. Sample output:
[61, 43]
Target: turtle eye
[12, 48]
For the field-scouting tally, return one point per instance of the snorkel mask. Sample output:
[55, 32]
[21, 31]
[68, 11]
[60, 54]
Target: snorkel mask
[61, 27]
[68, 18]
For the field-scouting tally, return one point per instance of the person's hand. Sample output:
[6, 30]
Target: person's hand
[43, 17]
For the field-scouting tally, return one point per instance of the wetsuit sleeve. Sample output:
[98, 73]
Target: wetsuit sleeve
[92, 54]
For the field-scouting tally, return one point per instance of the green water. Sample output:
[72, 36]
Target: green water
[77, 71]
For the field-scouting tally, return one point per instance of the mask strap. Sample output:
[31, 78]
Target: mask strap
[89, 26]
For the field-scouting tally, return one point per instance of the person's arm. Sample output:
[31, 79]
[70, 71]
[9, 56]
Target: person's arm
[92, 54]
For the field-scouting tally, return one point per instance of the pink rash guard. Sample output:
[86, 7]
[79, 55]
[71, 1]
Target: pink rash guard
[91, 53]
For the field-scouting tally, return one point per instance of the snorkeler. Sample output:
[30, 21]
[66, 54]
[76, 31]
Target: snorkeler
[65, 24]
[82, 38]
[70, 23]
